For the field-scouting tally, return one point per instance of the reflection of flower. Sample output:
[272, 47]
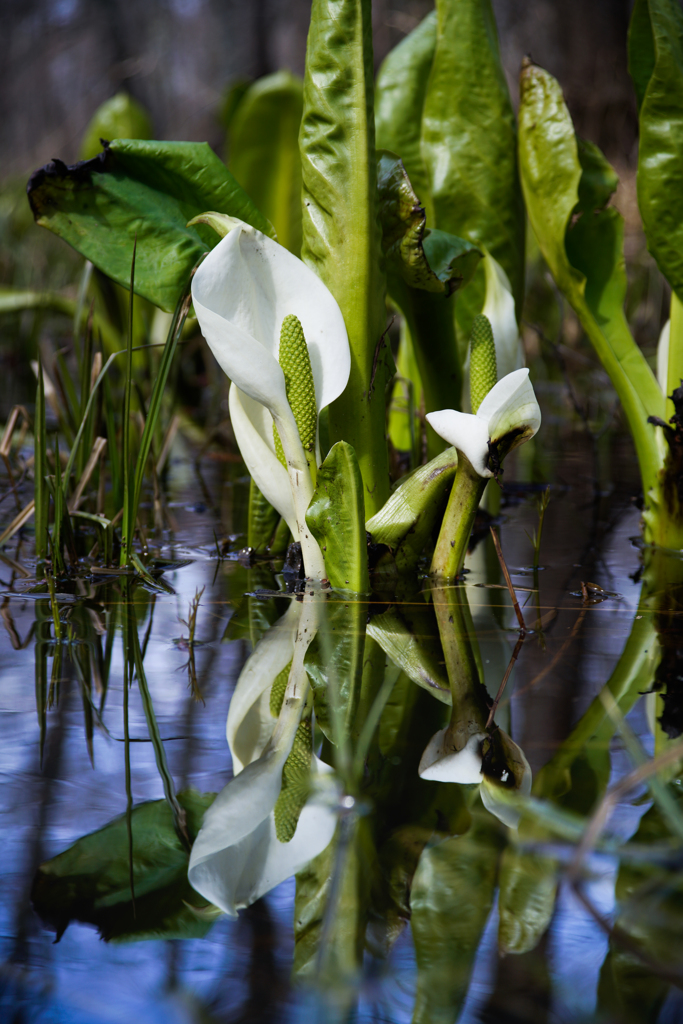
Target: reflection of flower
[493, 761]
[508, 416]
[242, 293]
[237, 856]
[250, 721]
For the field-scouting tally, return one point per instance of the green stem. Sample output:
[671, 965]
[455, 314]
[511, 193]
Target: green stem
[468, 712]
[674, 372]
[451, 547]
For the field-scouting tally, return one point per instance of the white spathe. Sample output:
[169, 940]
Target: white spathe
[510, 406]
[441, 763]
[241, 293]
[237, 857]
[499, 307]
[250, 721]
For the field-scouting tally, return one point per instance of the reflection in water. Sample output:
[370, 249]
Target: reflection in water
[349, 723]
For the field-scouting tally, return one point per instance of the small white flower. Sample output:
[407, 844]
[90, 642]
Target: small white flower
[442, 762]
[508, 416]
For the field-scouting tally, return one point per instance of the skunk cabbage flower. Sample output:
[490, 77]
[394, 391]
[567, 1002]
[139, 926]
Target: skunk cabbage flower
[238, 855]
[494, 762]
[242, 294]
[508, 416]
[250, 720]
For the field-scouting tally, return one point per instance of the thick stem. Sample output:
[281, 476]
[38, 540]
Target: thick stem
[456, 527]
[674, 372]
[469, 712]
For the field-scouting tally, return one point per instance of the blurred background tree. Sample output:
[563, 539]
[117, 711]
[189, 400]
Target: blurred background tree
[60, 59]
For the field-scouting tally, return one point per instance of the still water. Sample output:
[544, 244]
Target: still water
[440, 940]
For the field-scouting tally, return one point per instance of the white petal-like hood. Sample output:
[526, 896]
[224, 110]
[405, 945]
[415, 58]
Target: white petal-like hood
[237, 857]
[243, 291]
[510, 408]
[253, 428]
[441, 763]
[499, 307]
[250, 722]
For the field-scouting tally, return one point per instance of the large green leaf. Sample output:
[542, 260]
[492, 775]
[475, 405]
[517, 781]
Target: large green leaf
[429, 260]
[656, 66]
[341, 236]
[148, 190]
[400, 95]
[337, 520]
[469, 145]
[584, 249]
[90, 881]
[264, 152]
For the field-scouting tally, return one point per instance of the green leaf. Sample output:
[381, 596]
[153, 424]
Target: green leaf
[598, 178]
[264, 152]
[342, 871]
[656, 66]
[408, 635]
[90, 881]
[469, 145]
[415, 508]
[451, 899]
[399, 98]
[337, 520]
[120, 117]
[341, 237]
[334, 663]
[584, 250]
[144, 189]
[433, 261]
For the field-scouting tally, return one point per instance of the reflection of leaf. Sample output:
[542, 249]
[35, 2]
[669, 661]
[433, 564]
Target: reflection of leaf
[342, 871]
[451, 899]
[334, 663]
[650, 910]
[408, 636]
[148, 190]
[90, 881]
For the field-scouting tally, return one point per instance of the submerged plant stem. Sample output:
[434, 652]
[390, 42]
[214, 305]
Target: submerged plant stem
[451, 547]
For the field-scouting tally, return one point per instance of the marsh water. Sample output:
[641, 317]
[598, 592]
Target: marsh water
[84, 754]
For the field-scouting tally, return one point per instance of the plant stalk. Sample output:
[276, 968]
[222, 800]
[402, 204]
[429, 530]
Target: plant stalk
[454, 535]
